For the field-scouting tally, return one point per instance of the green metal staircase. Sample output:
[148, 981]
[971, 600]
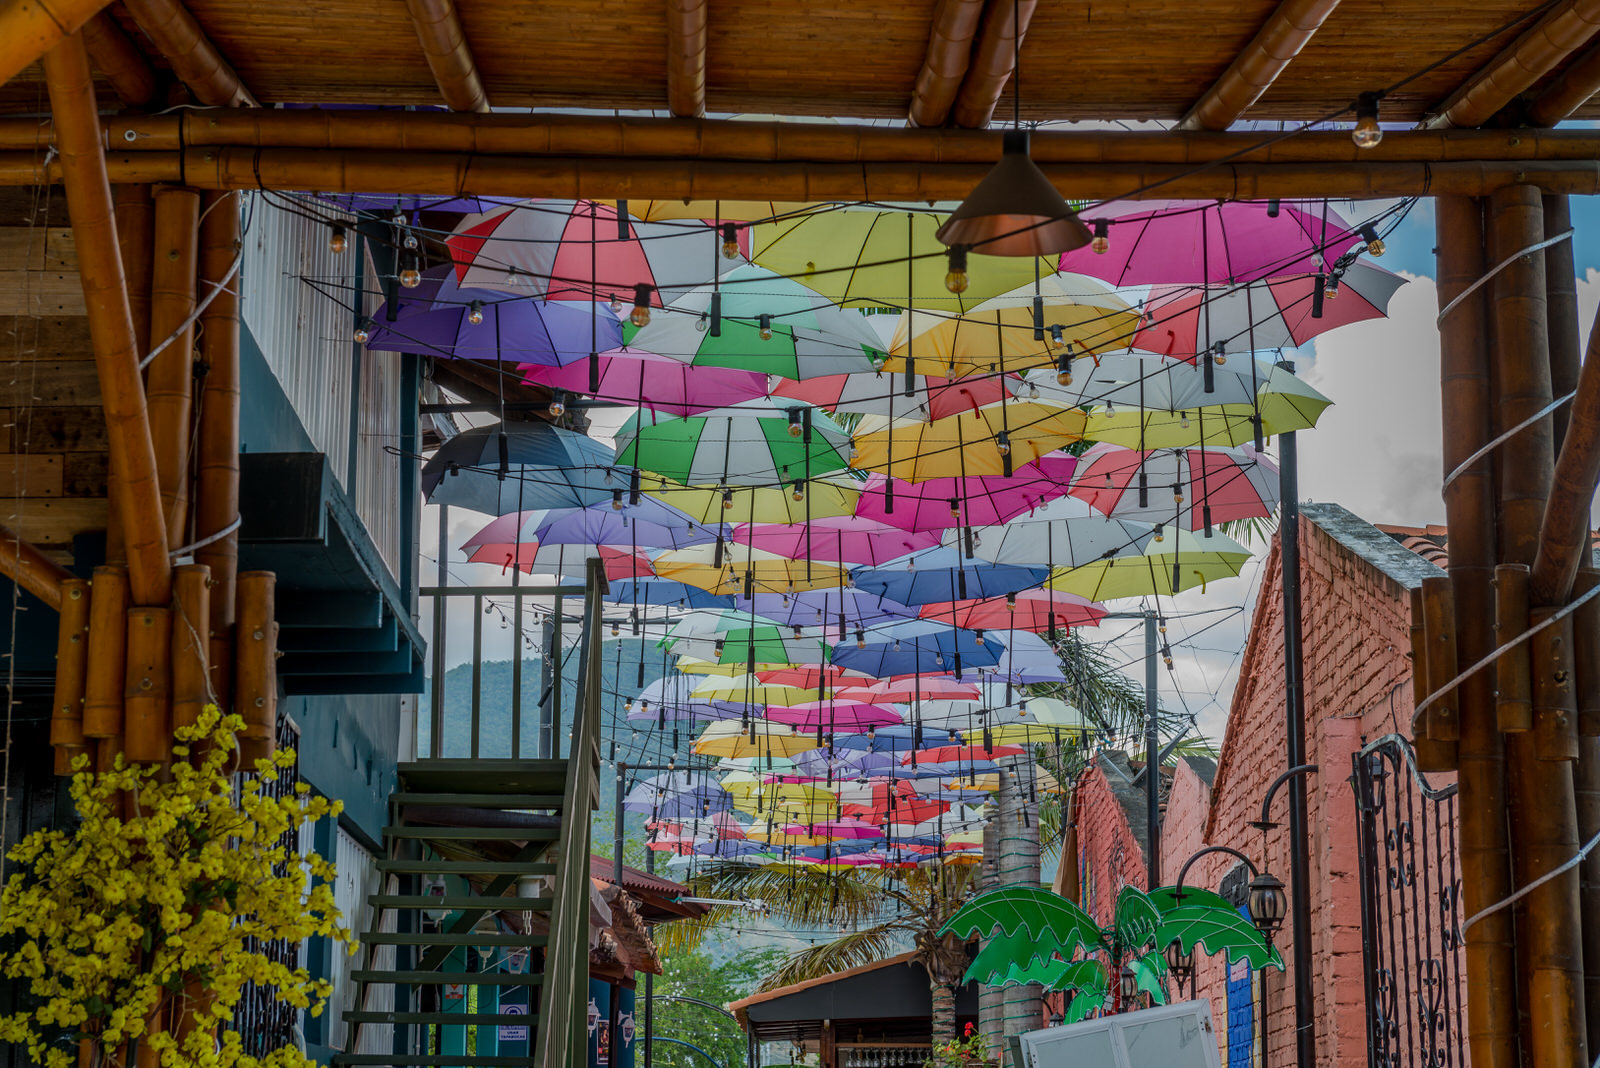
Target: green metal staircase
[503, 836]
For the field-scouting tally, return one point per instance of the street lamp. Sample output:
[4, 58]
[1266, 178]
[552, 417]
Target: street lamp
[1129, 986]
[1268, 904]
[1181, 964]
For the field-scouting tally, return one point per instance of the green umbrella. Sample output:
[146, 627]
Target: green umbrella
[768, 643]
[757, 443]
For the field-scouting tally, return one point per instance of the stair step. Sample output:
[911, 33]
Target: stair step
[445, 938]
[464, 867]
[468, 834]
[405, 1060]
[505, 801]
[441, 978]
[422, 901]
[484, 776]
[462, 1018]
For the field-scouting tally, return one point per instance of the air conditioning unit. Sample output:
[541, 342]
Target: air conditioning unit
[1166, 1036]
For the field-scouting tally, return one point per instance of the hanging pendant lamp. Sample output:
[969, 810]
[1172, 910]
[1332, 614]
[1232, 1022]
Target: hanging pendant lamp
[1015, 211]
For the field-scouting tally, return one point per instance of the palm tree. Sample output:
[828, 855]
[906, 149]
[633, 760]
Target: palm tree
[878, 911]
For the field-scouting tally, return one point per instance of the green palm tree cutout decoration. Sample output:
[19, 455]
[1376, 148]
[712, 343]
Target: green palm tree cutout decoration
[1032, 936]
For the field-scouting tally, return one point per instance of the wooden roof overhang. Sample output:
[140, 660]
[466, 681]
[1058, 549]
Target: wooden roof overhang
[886, 999]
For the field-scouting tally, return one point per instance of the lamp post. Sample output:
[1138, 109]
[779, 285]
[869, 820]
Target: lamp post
[1180, 964]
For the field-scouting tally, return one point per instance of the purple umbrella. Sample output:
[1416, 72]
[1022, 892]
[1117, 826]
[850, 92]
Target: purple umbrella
[851, 716]
[655, 382]
[436, 318]
[1194, 242]
[650, 524]
[842, 539]
[809, 608]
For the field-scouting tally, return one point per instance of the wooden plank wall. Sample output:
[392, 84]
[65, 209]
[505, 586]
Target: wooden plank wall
[53, 447]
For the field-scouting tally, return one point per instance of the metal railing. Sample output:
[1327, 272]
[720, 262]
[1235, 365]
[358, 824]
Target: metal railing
[563, 1003]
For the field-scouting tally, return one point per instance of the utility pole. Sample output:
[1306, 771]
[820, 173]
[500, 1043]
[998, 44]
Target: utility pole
[1152, 757]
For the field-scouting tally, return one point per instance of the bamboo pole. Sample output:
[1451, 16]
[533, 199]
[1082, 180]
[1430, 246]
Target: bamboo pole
[147, 723]
[217, 468]
[1469, 506]
[108, 640]
[72, 664]
[110, 321]
[1564, 538]
[24, 564]
[1555, 706]
[1586, 791]
[195, 60]
[191, 629]
[1252, 72]
[30, 28]
[444, 45]
[119, 59]
[1004, 23]
[1513, 681]
[1561, 297]
[955, 26]
[170, 383]
[686, 57]
[1543, 812]
[256, 681]
[1540, 49]
[1437, 739]
[134, 211]
[1568, 91]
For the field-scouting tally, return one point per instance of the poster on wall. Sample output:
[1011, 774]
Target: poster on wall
[603, 1034]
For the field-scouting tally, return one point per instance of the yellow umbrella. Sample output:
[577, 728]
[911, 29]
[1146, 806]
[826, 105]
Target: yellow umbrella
[693, 665]
[785, 799]
[824, 499]
[744, 565]
[1022, 734]
[749, 688]
[858, 257]
[1181, 561]
[1284, 401]
[964, 840]
[729, 738]
[968, 444]
[997, 335]
[725, 210]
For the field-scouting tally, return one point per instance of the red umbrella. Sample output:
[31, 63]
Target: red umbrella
[1030, 610]
[807, 676]
[882, 394]
[959, 754]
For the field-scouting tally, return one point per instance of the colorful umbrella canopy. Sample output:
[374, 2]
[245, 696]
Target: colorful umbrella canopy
[915, 650]
[1060, 533]
[654, 383]
[837, 539]
[647, 525]
[865, 262]
[1031, 610]
[747, 444]
[509, 467]
[665, 592]
[988, 441]
[758, 739]
[575, 250]
[745, 570]
[761, 504]
[1222, 484]
[1282, 403]
[942, 574]
[1184, 561]
[900, 690]
[974, 500]
[678, 793]
[761, 644]
[835, 715]
[825, 607]
[751, 690]
[1276, 313]
[669, 700]
[884, 394]
[1198, 242]
[564, 561]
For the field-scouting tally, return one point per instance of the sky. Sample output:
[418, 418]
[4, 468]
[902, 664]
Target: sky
[1376, 451]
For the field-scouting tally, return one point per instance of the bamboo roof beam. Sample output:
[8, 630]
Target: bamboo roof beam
[1540, 49]
[195, 60]
[116, 56]
[30, 28]
[1569, 91]
[955, 27]
[1004, 25]
[1254, 69]
[23, 563]
[687, 21]
[444, 44]
[116, 351]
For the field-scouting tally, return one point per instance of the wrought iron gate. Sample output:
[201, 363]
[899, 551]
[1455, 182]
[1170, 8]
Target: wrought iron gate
[1410, 911]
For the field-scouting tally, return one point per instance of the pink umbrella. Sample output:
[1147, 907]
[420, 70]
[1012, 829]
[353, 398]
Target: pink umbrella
[882, 394]
[1271, 314]
[1215, 484]
[1196, 242]
[620, 564]
[975, 501]
[1030, 610]
[846, 717]
[840, 539]
[654, 382]
[910, 688]
[848, 827]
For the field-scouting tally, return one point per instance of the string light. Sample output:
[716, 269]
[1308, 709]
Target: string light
[730, 241]
[1375, 245]
[861, 639]
[1064, 369]
[1161, 533]
[794, 422]
[475, 313]
[1367, 133]
[978, 636]
[410, 241]
[1003, 444]
[640, 316]
[410, 277]
[1331, 290]
[1102, 237]
[558, 404]
[702, 324]
[799, 491]
[727, 499]
[338, 241]
[616, 506]
[955, 280]
[766, 327]
[363, 332]
[1183, 420]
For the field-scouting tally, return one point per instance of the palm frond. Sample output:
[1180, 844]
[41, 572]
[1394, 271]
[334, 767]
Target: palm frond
[847, 951]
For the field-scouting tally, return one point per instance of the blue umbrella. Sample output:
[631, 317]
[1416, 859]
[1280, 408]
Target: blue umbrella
[660, 591]
[678, 794]
[667, 700]
[944, 649]
[508, 467]
[732, 847]
[940, 574]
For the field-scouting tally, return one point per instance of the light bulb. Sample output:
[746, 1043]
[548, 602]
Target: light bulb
[1033, 391]
[411, 240]
[616, 630]
[1183, 420]
[627, 705]
[730, 241]
[799, 491]
[955, 508]
[718, 646]
[475, 313]
[911, 564]
[1109, 484]
[796, 630]
[956, 280]
[1220, 358]
[1002, 444]
[1057, 339]
[363, 333]
[1161, 624]
[727, 500]
[897, 645]
[702, 324]
[338, 241]
[1161, 533]
[1111, 408]
[616, 304]
[616, 503]
[1011, 602]
[938, 658]
[1332, 289]
[852, 452]
[766, 328]
[1102, 237]
[641, 305]
[1064, 369]
[794, 423]
[1367, 132]
[861, 639]
[558, 404]
[1375, 245]
[978, 636]
[1177, 494]
[410, 278]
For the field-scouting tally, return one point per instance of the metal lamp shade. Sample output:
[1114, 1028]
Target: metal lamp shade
[1015, 211]
[1268, 903]
[1181, 964]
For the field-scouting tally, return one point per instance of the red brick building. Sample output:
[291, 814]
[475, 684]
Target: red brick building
[1355, 580]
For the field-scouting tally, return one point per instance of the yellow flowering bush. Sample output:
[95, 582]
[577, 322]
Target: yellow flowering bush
[155, 906]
